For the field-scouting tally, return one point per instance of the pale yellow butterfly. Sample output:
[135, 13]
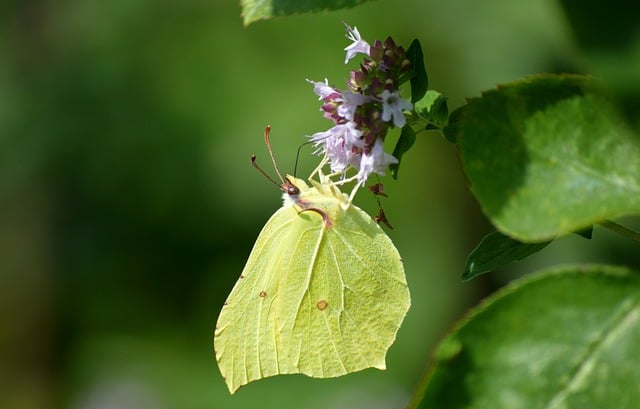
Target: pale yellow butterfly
[322, 294]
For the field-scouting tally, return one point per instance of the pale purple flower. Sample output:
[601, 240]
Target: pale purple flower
[322, 89]
[392, 106]
[376, 161]
[359, 46]
[350, 102]
[339, 144]
[362, 114]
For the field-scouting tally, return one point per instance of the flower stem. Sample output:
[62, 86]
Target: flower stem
[621, 230]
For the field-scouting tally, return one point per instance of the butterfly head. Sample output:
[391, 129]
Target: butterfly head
[289, 189]
[292, 189]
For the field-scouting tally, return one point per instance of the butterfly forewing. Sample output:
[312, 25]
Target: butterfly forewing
[246, 337]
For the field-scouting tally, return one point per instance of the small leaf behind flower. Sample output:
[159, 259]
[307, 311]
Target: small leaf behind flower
[405, 142]
[433, 107]
[496, 250]
[419, 79]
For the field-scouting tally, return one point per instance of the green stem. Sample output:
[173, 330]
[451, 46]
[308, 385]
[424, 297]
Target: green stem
[621, 230]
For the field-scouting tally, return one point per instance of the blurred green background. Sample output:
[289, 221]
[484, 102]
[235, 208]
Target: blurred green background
[128, 206]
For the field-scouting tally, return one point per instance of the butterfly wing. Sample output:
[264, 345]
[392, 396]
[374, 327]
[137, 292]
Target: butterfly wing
[322, 299]
[246, 339]
[355, 300]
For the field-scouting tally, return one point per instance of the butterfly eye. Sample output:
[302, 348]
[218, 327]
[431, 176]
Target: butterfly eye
[292, 190]
[289, 188]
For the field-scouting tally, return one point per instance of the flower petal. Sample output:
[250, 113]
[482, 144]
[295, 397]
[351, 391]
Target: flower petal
[358, 46]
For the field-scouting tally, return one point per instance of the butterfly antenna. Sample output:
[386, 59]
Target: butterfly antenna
[255, 165]
[273, 159]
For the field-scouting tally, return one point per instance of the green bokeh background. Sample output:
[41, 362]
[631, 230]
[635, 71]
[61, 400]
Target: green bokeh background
[128, 205]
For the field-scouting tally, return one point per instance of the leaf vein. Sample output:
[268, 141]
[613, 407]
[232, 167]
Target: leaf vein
[627, 314]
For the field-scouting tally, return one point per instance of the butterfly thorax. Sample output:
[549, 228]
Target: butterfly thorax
[324, 198]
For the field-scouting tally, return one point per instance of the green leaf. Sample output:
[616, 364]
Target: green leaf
[254, 10]
[496, 250]
[440, 111]
[419, 79]
[548, 156]
[453, 129]
[568, 338]
[433, 107]
[405, 142]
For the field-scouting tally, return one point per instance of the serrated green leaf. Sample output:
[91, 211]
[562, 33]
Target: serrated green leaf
[549, 155]
[419, 79]
[453, 129]
[424, 105]
[405, 142]
[568, 338]
[254, 10]
[440, 111]
[496, 250]
[433, 107]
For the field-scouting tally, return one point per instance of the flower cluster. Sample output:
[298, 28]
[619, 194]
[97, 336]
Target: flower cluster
[364, 112]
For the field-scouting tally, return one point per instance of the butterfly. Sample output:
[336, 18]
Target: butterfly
[323, 292]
